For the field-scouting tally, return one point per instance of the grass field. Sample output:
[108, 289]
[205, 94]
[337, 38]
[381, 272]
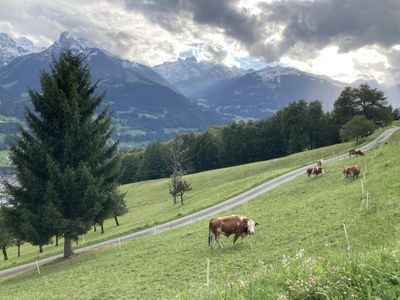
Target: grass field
[301, 222]
[149, 202]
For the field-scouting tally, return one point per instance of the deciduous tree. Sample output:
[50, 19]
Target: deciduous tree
[357, 128]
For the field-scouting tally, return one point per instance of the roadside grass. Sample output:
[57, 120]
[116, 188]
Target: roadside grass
[302, 219]
[371, 275]
[149, 202]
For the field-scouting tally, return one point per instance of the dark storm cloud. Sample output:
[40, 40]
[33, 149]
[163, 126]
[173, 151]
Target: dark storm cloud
[306, 26]
[224, 14]
[347, 24]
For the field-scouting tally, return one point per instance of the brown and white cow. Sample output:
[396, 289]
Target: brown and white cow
[240, 226]
[315, 171]
[351, 171]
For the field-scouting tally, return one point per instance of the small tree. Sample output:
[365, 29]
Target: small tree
[358, 127]
[183, 186]
[178, 186]
[119, 210]
[6, 237]
[15, 223]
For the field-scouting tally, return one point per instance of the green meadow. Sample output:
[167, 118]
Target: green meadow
[149, 202]
[299, 251]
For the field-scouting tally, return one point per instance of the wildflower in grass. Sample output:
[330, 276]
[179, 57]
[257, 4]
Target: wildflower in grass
[283, 296]
[286, 261]
[300, 253]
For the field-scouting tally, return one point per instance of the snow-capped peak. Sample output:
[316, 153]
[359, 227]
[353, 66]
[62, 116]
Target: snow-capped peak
[275, 72]
[271, 72]
[24, 42]
[191, 59]
[68, 41]
[76, 45]
[27, 44]
[9, 49]
[5, 39]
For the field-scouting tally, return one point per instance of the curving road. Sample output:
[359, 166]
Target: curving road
[223, 206]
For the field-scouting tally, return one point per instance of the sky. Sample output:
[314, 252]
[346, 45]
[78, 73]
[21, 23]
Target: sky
[343, 39]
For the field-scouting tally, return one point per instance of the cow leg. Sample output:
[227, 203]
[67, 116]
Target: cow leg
[217, 239]
[234, 240]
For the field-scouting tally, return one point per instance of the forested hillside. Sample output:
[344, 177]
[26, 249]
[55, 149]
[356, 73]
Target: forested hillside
[299, 126]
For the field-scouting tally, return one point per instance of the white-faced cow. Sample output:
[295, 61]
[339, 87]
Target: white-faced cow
[240, 226]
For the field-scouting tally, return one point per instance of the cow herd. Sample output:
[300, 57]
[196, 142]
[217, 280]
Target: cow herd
[349, 172]
[241, 226]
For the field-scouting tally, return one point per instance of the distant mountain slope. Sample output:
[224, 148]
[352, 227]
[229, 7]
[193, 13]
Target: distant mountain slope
[191, 77]
[393, 95]
[262, 92]
[145, 107]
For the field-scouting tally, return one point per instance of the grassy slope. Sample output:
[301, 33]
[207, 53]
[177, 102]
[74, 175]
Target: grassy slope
[307, 213]
[149, 202]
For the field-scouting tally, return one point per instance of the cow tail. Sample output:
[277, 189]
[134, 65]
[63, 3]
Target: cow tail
[209, 235]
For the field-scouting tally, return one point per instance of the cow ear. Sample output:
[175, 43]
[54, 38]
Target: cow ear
[257, 224]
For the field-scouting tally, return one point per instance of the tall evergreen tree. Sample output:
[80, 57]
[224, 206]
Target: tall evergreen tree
[206, 152]
[66, 167]
[294, 122]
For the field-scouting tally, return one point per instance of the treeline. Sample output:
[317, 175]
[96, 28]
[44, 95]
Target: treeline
[299, 126]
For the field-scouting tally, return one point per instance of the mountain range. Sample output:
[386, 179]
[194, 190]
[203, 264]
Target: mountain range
[263, 92]
[10, 48]
[145, 106]
[193, 78]
[155, 103]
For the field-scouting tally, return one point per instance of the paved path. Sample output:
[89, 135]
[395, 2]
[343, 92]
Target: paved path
[240, 199]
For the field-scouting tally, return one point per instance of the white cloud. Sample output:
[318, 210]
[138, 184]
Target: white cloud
[366, 63]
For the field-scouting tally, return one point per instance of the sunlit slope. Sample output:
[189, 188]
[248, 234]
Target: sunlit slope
[149, 202]
[306, 213]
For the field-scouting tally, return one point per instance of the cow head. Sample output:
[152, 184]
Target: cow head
[251, 227]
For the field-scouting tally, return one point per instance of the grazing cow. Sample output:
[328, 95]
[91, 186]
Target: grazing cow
[314, 171]
[351, 171]
[353, 152]
[240, 226]
[359, 152]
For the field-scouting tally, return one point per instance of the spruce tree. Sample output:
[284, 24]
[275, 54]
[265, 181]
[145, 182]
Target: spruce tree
[66, 166]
